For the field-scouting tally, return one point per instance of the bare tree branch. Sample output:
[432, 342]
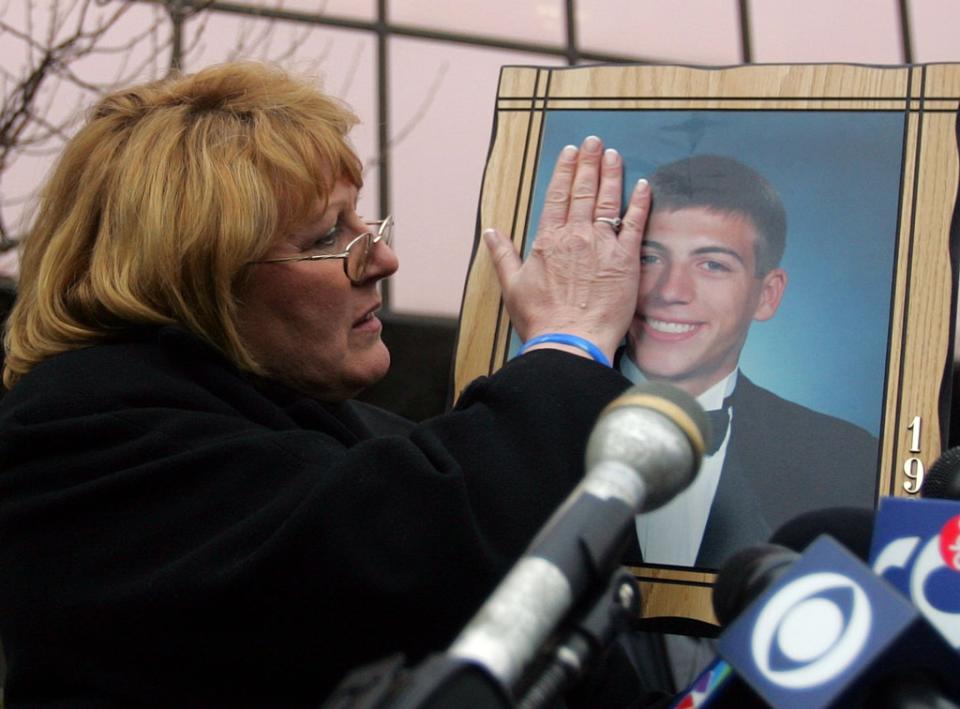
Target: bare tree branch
[418, 115]
[41, 100]
[70, 31]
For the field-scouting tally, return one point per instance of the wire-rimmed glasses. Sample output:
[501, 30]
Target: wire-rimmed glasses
[356, 255]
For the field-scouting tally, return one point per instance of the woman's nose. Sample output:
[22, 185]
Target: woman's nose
[383, 262]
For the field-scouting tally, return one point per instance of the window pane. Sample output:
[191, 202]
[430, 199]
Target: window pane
[693, 31]
[442, 100]
[934, 26]
[536, 21]
[826, 31]
[133, 48]
[343, 60]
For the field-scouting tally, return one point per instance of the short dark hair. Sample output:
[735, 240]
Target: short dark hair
[726, 185]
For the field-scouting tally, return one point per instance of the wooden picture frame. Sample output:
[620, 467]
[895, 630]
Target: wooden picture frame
[852, 140]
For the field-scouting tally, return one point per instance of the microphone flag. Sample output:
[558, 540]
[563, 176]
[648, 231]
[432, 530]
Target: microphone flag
[828, 632]
[916, 548]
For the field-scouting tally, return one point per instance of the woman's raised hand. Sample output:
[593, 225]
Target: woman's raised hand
[581, 276]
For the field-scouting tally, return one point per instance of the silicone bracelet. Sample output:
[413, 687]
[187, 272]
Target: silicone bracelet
[562, 338]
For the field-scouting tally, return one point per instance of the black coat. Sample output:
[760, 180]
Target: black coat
[173, 533]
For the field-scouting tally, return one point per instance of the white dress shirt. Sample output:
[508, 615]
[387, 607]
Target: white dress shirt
[672, 534]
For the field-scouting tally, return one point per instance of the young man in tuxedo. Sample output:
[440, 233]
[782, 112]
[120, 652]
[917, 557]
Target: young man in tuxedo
[710, 267]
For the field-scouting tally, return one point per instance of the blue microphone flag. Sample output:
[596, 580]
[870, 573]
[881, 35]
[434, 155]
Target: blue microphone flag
[916, 548]
[828, 632]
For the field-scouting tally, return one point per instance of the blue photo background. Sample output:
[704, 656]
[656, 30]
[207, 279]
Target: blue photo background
[839, 175]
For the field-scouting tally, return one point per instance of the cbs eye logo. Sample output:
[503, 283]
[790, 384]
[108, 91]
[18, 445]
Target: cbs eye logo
[811, 630]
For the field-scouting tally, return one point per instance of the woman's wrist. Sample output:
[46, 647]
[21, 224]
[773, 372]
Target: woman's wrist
[569, 342]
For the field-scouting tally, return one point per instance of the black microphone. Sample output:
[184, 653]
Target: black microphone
[746, 575]
[740, 581]
[645, 448]
[942, 481]
[851, 526]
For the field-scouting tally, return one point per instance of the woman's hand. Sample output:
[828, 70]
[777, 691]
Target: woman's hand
[581, 276]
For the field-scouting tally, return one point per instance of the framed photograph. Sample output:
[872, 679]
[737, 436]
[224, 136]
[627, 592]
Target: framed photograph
[798, 277]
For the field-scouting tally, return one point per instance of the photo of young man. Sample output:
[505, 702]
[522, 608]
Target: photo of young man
[710, 268]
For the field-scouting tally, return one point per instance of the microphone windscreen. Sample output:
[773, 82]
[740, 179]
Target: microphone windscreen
[657, 430]
[851, 526]
[746, 575]
[942, 481]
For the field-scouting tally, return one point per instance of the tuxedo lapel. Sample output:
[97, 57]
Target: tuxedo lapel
[736, 517]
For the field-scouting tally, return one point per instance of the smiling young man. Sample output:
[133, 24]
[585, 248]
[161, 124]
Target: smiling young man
[710, 267]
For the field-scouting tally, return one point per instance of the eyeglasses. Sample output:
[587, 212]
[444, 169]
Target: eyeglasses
[356, 255]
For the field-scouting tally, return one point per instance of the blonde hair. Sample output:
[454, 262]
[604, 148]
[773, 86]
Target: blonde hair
[161, 198]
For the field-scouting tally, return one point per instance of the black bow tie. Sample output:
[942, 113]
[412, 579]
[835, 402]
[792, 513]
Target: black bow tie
[719, 423]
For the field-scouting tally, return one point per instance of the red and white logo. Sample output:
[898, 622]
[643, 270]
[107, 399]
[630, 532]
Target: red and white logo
[950, 543]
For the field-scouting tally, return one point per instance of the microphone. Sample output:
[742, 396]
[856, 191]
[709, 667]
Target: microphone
[943, 478]
[907, 542]
[746, 575]
[916, 548]
[645, 448]
[851, 526]
[743, 577]
[827, 632]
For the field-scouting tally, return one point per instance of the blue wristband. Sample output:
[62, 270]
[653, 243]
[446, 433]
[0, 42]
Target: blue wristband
[562, 338]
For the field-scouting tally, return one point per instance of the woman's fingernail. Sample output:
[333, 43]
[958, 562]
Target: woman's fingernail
[569, 152]
[610, 156]
[592, 143]
[490, 237]
[642, 185]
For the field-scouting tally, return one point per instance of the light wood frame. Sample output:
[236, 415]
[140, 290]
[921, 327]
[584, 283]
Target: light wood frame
[919, 354]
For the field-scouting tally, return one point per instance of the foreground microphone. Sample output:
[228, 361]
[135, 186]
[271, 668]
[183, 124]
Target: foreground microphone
[645, 448]
[916, 546]
[827, 632]
[743, 577]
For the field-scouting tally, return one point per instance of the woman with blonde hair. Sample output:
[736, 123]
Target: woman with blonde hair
[192, 510]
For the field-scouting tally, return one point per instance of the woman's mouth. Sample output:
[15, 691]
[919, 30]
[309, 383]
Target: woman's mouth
[368, 322]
